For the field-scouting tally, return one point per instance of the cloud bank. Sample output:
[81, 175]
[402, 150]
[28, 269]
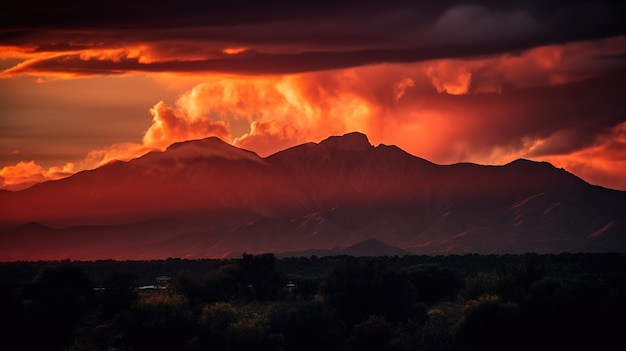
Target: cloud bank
[277, 37]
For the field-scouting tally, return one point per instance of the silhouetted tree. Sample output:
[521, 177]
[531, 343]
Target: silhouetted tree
[373, 334]
[226, 283]
[573, 314]
[435, 333]
[58, 298]
[118, 293]
[307, 325]
[222, 327]
[159, 321]
[433, 282]
[191, 286]
[362, 287]
[490, 324]
[216, 322]
[12, 316]
[262, 281]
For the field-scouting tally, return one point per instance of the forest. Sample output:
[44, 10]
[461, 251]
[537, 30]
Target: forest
[263, 302]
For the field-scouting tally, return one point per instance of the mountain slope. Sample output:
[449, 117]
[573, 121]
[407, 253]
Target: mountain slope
[219, 200]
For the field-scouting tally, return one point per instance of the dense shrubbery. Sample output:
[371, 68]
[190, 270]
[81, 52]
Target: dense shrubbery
[259, 302]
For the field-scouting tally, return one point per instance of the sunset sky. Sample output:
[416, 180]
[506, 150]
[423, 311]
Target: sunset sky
[83, 83]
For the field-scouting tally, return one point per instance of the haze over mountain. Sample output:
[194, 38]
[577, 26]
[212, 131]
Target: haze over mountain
[206, 198]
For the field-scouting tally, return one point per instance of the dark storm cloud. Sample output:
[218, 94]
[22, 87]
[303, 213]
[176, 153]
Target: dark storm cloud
[287, 38]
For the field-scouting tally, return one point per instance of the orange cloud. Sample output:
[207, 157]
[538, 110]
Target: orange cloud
[542, 66]
[25, 174]
[400, 87]
[280, 111]
[9, 51]
[115, 152]
[604, 162]
[450, 78]
[169, 126]
[233, 51]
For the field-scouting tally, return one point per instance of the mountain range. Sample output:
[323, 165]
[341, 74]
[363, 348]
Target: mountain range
[208, 199]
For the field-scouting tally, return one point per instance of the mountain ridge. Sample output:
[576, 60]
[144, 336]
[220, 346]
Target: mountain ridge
[220, 199]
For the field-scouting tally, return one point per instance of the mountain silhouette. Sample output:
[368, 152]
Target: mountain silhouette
[207, 198]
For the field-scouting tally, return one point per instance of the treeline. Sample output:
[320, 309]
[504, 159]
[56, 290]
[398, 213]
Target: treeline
[260, 302]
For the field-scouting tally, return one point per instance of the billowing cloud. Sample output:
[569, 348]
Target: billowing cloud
[25, 174]
[169, 126]
[280, 111]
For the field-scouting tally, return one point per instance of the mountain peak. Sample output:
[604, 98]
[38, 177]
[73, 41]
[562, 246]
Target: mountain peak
[206, 142]
[522, 162]
[537, 167]
[211, 147]
[353, 141]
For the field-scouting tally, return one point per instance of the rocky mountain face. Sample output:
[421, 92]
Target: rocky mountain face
[206, 198]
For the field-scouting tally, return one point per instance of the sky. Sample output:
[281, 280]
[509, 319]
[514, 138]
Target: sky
[488, 82]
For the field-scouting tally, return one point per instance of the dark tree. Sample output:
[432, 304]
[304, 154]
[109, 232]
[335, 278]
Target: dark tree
[307, 325]
[59, 296]
[490, 324]
[12, 322]
[118, 293]
[373, 334]
[191, 286]
[157, 322]
[226, 283]
[359, 288]
[433, 282]
[260, 277]
[573, 314]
